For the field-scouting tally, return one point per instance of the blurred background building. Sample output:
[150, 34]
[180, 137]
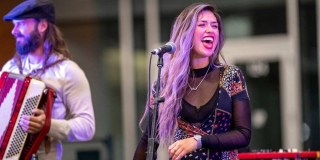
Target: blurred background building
[275, 43]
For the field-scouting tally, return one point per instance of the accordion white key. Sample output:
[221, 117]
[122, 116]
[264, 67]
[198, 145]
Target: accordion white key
[19, 95]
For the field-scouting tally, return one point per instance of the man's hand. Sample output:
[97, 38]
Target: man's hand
[33, 124]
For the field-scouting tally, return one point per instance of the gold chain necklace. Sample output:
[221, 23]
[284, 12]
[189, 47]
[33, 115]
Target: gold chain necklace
[195, 88]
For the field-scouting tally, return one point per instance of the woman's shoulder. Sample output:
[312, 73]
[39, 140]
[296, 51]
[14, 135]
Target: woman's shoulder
[231, 70]
[233, 80]
[231, 67]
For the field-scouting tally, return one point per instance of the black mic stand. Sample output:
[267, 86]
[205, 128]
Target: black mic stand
[156, 102]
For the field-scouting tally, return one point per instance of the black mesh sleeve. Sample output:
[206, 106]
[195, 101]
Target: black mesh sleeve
[240, 131]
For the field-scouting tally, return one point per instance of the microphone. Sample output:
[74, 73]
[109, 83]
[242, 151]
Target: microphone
[169, 47]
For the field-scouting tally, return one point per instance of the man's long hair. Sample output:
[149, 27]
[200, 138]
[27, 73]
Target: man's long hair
[174, 78]
[53, 43]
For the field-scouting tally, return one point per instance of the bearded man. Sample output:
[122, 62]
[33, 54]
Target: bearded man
[42, 54]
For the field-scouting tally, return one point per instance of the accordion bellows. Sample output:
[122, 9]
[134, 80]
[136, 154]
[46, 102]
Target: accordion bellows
[19, 95]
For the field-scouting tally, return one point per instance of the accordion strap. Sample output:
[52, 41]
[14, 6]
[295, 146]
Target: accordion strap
[38, 72]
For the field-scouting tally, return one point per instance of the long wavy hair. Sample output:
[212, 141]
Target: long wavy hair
[53, 43]
[175, 74]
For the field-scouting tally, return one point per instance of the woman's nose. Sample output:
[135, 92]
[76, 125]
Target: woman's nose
[209, 29]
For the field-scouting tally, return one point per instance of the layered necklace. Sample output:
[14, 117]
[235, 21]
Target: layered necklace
[195, 88]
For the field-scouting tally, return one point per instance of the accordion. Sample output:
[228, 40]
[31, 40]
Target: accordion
[19, 95]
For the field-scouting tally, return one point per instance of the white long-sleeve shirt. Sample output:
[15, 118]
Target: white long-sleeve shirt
[72, 112]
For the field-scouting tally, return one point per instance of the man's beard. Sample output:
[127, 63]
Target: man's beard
[33, 42]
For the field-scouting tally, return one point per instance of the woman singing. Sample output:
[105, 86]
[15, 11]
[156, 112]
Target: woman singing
[206, 113]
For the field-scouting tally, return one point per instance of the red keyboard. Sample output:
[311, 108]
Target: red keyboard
[272, 155]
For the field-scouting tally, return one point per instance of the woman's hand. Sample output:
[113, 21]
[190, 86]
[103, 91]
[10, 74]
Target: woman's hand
[33, 124]
[180, 148]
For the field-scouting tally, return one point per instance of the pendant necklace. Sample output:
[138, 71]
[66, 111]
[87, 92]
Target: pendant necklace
[195, 88]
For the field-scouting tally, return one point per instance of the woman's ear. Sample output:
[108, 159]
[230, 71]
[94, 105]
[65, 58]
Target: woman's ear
[42, 26]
